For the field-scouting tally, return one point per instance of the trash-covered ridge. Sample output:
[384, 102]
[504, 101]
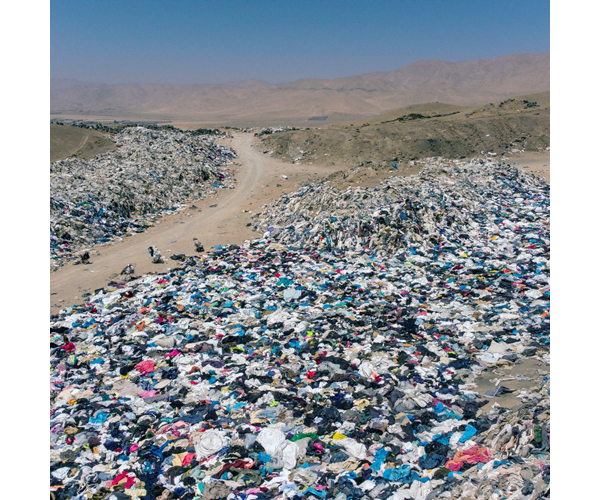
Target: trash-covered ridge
[123, 191]
[445, 204]
[274, 371]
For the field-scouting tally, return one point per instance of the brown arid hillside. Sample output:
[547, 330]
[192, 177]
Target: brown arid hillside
[369, 94]
[502, 128]
[84, 143]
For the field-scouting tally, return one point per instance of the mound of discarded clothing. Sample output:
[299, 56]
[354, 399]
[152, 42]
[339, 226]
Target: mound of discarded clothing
[152, 172]
[447, 204]
[279, 371]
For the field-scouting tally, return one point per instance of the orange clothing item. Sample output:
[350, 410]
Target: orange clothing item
[473, 455]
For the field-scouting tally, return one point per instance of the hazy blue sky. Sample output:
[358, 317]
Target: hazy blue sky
[182, 41]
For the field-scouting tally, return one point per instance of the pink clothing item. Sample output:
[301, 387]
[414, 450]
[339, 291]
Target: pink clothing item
[188, 459]
[145, 367]
[130, 481]
[471, 456]
[172, 353]
[147, 394]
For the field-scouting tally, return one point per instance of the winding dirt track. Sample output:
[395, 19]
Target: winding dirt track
[257, 179]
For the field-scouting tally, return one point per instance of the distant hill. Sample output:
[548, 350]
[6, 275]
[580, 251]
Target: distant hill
[84, 143]
[423, 130]
[369, 94]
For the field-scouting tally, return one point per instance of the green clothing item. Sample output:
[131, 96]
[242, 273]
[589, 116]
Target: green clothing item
[303, 435]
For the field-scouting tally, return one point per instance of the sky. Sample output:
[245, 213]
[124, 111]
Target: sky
[213, 41]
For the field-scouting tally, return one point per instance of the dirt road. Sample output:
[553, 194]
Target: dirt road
[259, 181]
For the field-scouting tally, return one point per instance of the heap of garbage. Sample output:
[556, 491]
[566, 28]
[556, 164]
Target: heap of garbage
[445, 205]
[272, 371]
[272, 130]
[153, 171]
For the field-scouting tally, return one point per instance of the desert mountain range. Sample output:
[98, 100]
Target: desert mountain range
[460, 83]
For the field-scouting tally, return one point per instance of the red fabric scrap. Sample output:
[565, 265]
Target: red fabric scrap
[130, 481]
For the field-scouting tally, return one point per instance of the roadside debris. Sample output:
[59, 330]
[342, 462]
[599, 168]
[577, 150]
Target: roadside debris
[198, 245]
[155, 255]
[129, 269]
